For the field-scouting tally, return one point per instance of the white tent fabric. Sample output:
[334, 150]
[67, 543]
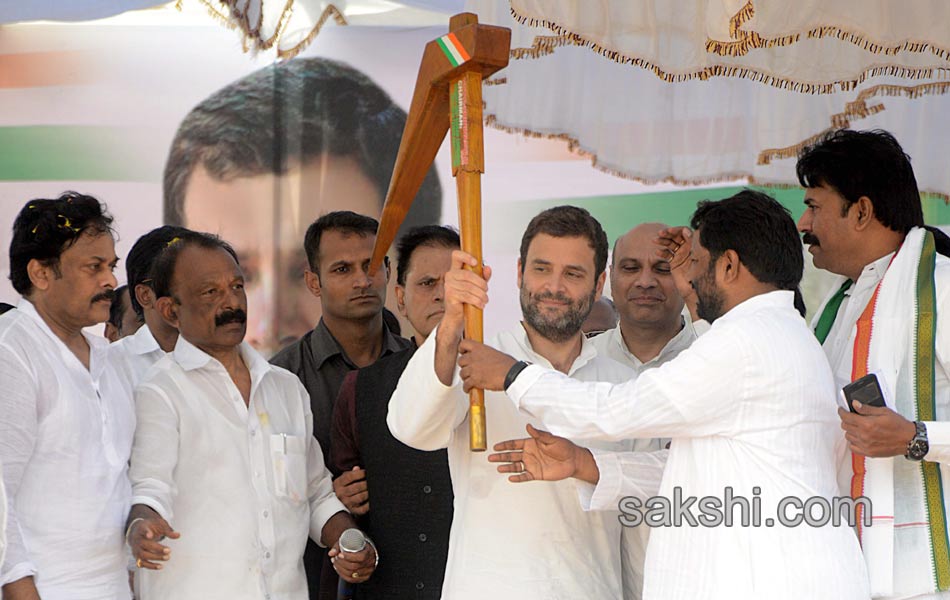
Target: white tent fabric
[640, 126]
[884, 26]
[697, 39]
[676, 91]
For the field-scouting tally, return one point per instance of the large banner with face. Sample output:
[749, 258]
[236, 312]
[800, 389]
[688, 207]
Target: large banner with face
[178, 125]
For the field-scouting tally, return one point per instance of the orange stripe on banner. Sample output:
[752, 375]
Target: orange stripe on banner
[458, 46]
[45, 69]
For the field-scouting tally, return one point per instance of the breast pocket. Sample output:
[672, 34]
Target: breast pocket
[289, 458]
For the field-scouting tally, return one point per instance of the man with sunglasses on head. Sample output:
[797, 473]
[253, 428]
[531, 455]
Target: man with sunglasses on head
[68, 421]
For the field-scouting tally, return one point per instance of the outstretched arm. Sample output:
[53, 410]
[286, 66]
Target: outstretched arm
[609, 476]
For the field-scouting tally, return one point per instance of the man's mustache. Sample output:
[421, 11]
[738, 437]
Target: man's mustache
[810, 239]
[552, 296]
[236, 315]
[109, 295]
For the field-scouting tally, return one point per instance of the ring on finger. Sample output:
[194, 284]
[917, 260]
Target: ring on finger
[138, 562]
[356, 575]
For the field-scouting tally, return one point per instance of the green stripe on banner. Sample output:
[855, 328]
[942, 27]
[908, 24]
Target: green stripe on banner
[927, 410]
[77, 153]
[618, 213]
[444, 44]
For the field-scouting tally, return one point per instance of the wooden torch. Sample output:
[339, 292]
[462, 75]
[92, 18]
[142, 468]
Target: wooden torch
[448, 95]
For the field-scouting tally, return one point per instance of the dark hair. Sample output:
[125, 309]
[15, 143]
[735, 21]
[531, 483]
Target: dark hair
[344, 221]
[288, 113]
[45, 229]
[759, 229]
[5, 308]
[865, 163]
[144, 251]
[116, 308]
[163, 267]
[426, 235]
[568, 221]
[799, 302]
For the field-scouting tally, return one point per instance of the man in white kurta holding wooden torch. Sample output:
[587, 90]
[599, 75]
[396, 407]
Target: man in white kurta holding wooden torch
[507, 542]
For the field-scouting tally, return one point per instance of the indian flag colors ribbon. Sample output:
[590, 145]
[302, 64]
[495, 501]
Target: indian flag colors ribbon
[926, 409]
[459, 125]
[453, 49]
[879, 325]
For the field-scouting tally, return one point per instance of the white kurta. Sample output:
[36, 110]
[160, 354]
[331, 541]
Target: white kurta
[134, 355]
[527, 540]
[3, 518]
[65, 437]
[611, 465]
[243, 484]
[909, 577]
[610, 343]
[749, 405]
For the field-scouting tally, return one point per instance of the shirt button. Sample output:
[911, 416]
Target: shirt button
[267, 555]
[427, 489]
[420, 585]
[265, 513]
[423, 537]
[253, 432]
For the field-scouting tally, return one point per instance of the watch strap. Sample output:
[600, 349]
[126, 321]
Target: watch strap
[514, 371]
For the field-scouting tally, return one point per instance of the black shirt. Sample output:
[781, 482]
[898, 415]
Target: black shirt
[321, 364]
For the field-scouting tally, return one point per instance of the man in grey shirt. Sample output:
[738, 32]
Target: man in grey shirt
[351, 334]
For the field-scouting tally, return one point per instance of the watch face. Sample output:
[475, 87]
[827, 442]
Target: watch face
[918, 449]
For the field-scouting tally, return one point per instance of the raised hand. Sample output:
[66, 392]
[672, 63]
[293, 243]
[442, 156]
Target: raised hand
[352, 490]
[541, 457]
[463, 286]
[675, 245]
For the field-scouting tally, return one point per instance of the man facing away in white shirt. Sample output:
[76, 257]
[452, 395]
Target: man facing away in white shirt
[135, 354]
[751, 411]
[67, 416]
[224, 450]
[505, 544]
[864, 222]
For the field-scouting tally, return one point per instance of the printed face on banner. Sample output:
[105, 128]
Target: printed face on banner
[264, 218]
[263, 157]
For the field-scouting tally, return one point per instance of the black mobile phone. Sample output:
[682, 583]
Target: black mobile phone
[866, 390]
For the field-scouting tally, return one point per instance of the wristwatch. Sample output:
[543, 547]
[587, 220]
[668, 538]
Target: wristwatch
[918, 447]
[514, 371]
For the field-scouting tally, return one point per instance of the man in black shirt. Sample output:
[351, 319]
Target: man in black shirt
[351, 334]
